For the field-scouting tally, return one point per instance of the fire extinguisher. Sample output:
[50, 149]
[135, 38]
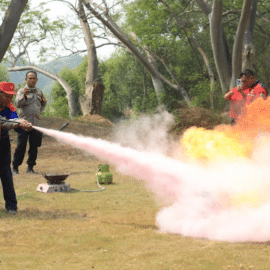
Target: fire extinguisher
[103, 174]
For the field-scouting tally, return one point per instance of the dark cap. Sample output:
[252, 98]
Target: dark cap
[247, 72]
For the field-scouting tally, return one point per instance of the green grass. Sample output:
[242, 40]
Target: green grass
[113, 229]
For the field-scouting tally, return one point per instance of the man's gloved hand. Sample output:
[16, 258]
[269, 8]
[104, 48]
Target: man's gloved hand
[25, 125]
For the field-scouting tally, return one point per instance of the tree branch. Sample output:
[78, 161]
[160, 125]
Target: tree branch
[9, 25]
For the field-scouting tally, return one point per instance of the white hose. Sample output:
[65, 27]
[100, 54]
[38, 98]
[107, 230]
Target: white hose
[97, 190]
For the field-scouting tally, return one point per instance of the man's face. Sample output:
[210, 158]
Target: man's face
[247, 81]
[31, 80]
[5, 99]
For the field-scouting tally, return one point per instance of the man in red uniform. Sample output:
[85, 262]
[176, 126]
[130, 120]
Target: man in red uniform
[8, 112]
[244, 94]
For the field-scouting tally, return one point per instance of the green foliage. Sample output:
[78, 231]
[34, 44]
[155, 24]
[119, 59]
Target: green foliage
[158, 30]
[80, 71]
[4, 75]
[200, 94]
[59, 104]
[123, 78]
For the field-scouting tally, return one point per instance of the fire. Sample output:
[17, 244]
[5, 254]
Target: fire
[212, 146]
[233, 144]
[229, 143]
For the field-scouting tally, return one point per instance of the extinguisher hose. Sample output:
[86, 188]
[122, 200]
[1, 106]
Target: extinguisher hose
[97, 190]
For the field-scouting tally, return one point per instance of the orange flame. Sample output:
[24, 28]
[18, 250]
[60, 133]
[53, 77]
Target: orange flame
[228, 143]
[231, 143]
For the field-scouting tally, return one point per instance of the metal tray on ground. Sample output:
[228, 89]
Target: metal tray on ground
[55, 178]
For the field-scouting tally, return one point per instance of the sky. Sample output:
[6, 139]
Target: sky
[58, 9]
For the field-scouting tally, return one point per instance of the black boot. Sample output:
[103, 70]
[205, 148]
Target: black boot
[30, 170]
[15, 171]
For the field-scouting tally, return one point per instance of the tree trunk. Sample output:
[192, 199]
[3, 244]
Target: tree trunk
[144, 89]
[204, 6]
[157, 82]
[248, 47]
[218, 46]
[238, 43]
[9, 24]
[70, 93]
[92, 69]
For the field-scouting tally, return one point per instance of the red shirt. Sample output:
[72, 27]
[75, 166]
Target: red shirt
[11, 107]
[238, 102]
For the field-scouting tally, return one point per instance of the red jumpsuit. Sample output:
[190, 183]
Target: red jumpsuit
[238, 103]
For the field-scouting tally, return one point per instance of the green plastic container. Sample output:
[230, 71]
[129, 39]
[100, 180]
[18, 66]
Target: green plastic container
[103, 175]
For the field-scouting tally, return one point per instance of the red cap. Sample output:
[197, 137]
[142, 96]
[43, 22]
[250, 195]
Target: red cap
[8, 88]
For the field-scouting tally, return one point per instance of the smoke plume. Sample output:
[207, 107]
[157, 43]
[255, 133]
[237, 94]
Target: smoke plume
[220, 192]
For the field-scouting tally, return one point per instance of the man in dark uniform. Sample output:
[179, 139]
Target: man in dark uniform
[8, 112]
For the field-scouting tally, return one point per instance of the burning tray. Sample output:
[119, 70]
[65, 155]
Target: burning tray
[55, 178]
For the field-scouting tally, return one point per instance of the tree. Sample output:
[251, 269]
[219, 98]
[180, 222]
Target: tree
[173, 42]
[88, 35]
[197, 45]
[228, 72]
[248, 46]
[148, 61]
[92, 69]
[33, 31]
[9, 24]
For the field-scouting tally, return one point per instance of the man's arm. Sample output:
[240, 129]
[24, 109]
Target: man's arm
[18, 123]
[21, 99]
[42, 100]
[8, 125]
[43, 103]
[228, 95]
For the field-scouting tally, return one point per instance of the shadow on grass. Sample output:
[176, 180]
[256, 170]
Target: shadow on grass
[267, 243]
[82, 172]
[30, 213]
[135, 225]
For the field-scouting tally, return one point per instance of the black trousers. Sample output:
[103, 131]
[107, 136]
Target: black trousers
[35, 139]
[6, 175]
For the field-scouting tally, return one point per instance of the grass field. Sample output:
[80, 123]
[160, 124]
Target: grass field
[112, 229]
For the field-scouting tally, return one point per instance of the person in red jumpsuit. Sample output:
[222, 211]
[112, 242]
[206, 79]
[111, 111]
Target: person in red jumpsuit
[243, 94]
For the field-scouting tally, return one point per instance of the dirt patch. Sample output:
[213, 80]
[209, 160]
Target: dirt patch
[95, 118]
[199, 117]
[86, 127]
